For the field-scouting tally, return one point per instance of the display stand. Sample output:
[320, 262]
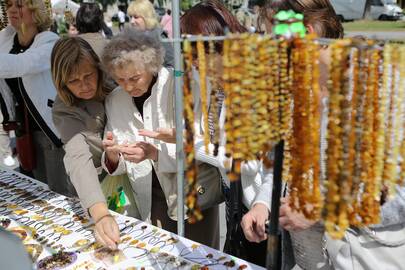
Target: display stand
[49, 223]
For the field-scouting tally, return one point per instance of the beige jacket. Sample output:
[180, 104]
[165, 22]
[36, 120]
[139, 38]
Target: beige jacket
[81, 127]
[96, 40]
[124, 121]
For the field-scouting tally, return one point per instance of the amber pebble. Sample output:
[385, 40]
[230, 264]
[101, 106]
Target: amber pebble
[141, 245]
[12, 206]
[243, 266]
[134, 242]
[163, 254]
[81, 242]
[229, 264]
[37, 217]
[126, 239]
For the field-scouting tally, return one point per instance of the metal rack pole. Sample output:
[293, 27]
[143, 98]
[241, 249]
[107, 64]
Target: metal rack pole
[179, 117]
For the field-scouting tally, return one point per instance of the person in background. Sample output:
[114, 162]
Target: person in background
[121, 19]
[108, 33]
[27, 91]
[6, 154]
[78, 114]
[144, 100]
[167, 23]
[13, 255]
[255, 17]
[72, 30]
[144, 18]
[306, 235]
[210, 17]
[89, 23]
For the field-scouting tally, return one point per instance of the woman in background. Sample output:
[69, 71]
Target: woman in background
[89, 23]
[306, 235]
[210, 17]
[143, 17]
[27, 91]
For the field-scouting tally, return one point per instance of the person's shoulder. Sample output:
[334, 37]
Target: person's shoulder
[166, 74]
[60, 109]
[46, 37]
[118, 94]
[7, 33]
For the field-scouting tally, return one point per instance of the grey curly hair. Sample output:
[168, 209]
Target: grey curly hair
[142, 49]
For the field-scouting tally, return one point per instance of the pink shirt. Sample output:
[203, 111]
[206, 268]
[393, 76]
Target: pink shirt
[166, 24]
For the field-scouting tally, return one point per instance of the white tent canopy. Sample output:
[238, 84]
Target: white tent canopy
[59, 6]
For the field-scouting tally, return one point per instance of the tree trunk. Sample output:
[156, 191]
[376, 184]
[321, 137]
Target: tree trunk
[367, 10]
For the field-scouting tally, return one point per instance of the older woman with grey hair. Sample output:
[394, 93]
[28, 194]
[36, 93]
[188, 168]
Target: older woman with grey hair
[144, 100]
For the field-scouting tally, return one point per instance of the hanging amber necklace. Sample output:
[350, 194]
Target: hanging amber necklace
[334, 151]
[202, 69]
[354, 138]
[3, 21]
[193, 210]
[214, 93]
[401, 178]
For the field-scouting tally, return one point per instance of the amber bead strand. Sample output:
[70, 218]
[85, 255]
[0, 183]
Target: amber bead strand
[193, 210]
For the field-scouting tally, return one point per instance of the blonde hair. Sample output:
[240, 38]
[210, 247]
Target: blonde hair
[67, 54]
[142, 49]
[41, 14]
[144, 9]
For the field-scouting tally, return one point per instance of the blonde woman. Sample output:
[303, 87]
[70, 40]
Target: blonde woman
[78, 114]
[27, 90]
[143, 17]
[144, 100]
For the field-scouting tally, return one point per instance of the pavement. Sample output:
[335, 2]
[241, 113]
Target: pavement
[394, 35]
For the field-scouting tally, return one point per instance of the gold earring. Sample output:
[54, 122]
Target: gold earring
[23, 29]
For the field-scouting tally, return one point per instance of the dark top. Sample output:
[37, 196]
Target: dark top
[139, 101]
[16, 86]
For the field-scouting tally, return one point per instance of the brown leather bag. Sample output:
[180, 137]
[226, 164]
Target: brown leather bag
[25, 146]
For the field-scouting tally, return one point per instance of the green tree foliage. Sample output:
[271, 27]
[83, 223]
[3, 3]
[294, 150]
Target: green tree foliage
[186, 4]
[105, 3]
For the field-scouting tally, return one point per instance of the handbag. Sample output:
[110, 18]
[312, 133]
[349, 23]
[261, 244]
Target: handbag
[361, 249]
[119, 194]
[25, 146]
[209, 188]
[234, 244]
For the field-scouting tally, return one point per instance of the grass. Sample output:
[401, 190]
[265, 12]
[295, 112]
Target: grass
[374, 26]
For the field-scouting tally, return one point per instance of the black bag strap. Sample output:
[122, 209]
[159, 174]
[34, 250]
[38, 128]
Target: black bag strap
[235, 234]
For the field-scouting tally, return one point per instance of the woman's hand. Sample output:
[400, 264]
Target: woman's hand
[139, 151]
[106, 229]
[112, 150]
[254, 222]
[167, 135]
[291, 220]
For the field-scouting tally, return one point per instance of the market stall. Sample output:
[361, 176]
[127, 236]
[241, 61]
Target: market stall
[58, 234]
